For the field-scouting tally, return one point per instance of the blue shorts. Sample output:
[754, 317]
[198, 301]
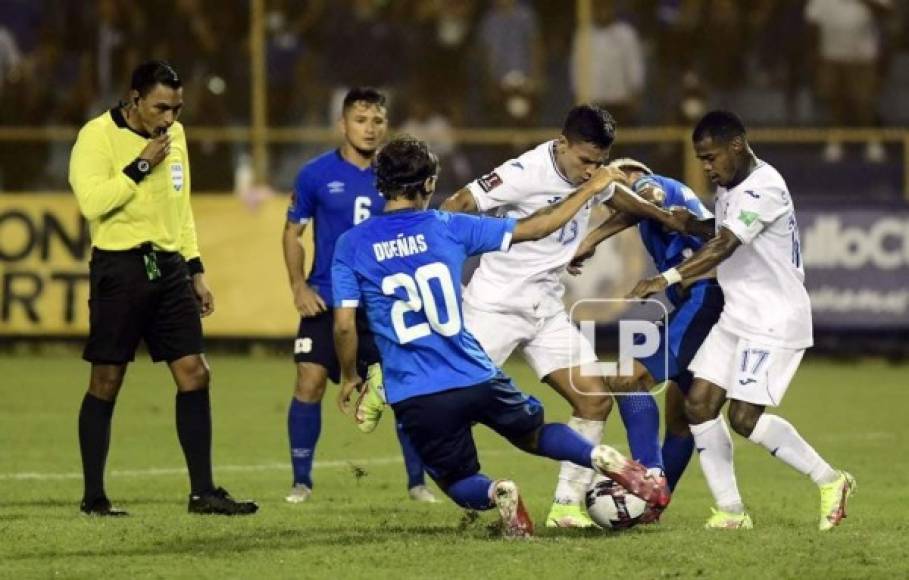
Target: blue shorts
[689, 324]
[439, 425]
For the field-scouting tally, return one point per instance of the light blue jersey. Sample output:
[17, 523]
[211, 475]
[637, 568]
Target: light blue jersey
[405, 268]
[337, 195]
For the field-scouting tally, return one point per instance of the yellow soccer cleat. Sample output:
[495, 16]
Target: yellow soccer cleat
[371, 402]
[833, 500]
[568, 516]
[720, 520]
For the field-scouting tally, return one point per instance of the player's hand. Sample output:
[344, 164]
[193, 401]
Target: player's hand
[648, 287]
[349, 386]
[585, 252]
[157, 149]
[204, 295]
[680, 220]
[605, 175]
[307, 300]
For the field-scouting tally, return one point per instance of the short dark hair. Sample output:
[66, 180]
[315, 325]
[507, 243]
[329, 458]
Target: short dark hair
[365, 94]
[154, 72]
[722, 126]
[402, 167]
[589, 124]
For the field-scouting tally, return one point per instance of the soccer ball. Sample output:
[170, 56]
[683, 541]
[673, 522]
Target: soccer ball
[611, 506]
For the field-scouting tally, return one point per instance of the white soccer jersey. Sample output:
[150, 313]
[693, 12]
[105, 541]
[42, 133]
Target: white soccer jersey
[526, 278]
[763, 281]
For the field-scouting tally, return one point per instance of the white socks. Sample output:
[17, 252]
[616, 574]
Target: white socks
[781, 439]
[714, 444]
[574, 480]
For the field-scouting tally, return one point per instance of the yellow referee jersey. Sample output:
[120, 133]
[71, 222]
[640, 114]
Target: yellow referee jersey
[123, 214]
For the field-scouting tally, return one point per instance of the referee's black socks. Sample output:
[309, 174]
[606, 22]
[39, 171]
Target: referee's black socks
[94, 441]
[194, 431]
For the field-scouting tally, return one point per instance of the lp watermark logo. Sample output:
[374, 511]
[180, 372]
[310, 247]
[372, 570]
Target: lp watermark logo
[631, 328]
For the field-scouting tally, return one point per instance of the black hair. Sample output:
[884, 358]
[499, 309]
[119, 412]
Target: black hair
[589, 124]
[403, 166]
[722, 126]
[151, 73]
[364, 94]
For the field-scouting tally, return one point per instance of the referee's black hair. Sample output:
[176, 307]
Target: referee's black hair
[402, 167]
[154, 72]
[364, 94]
[589, 124]
[721, 126]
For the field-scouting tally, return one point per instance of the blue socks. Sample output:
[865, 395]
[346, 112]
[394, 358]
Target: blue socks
[412, 462]
[642, 424]
[304, 423]
[560, 442]
[471, 492]
[676, 454]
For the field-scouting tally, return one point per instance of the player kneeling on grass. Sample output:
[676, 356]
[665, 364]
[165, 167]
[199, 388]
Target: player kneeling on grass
[402, 265]
[751, 355]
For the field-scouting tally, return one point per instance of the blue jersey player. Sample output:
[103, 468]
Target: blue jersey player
[335, 191]
[403, 267]
[696, 308]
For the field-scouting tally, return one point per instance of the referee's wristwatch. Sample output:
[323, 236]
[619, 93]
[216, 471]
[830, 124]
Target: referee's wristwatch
[138, 169]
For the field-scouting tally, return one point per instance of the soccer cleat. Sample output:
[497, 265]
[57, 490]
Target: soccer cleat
[219, 502]
[371, 402]
[653, 512]
[833, 500]
[101, 507]
[568, 516]
[516, 522]
[422, 494]
[720, 520]
[631, 475]
[299, 493]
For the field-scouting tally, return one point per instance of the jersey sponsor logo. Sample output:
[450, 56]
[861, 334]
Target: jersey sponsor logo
[553, 200]
[335, 186]
[748, 217]
[752, 194]
[744, 382]
[303, 346]
[517, 164]
[489, 181]
[176, 175]
[400, 247]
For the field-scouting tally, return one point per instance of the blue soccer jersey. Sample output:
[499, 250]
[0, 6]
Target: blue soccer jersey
[667, 248]
[336, 195]
[405, 268]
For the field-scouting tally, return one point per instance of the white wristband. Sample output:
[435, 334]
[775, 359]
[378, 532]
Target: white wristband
[671, 276]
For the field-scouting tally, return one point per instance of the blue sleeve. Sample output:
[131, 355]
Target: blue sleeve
[303, 200]
[345, 287]
[481, 234]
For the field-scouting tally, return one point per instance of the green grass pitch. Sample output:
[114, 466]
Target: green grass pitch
[360, 523]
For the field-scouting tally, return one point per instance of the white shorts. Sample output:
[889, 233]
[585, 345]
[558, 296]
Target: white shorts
[548, 344]
[748, 370]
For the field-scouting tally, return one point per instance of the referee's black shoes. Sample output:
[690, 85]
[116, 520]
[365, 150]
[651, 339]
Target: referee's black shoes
[219, 502]
[100, 506]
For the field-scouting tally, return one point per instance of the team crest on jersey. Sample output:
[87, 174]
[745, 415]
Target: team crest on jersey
[489, 181]
[335, 187]
[176, 175]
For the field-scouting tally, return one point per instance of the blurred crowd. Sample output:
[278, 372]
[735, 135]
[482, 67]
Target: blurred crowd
[459, 63]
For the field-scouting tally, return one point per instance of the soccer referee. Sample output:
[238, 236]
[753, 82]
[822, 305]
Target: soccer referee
[130, 172]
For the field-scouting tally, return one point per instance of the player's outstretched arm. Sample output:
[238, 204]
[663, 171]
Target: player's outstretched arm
[627, 201]
[614, 224]
[345, 335]
[704, 229]
[702, 262]
[461, 202]
[543, 222]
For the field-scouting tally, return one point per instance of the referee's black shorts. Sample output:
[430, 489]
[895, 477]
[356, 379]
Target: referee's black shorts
[315, 343]
[125, 307]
